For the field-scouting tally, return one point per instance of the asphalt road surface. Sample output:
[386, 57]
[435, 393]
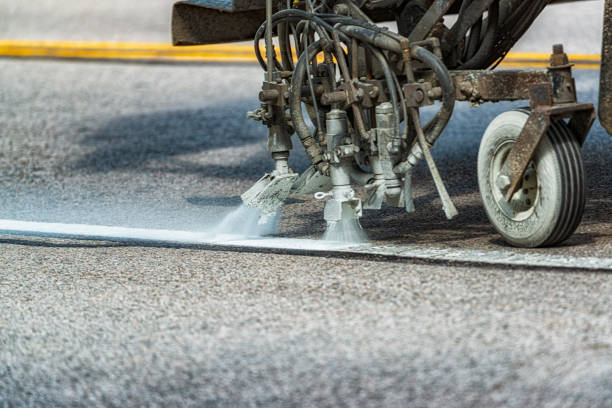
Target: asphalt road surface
[101, 323]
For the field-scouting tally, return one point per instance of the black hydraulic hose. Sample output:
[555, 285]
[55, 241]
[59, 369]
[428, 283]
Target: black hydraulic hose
[344, 20]
[313, 150]
[369, 35]
[285, 47]
[323, 25]
[482, 56]
[448, 92]
[297, 15]
[293, 15]
[514, 25]
[466, 20]
[426, 57]
[372, 37]
[311, 86]
[300, 28]
[474, 40]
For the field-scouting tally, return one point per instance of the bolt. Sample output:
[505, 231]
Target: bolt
[419, 96]
[558, 56]
[502, 181]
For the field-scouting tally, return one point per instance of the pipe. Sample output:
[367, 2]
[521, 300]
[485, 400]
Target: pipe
[479, 60]
[313, 150]
[269, 45]
[448, 92]
[372, 37]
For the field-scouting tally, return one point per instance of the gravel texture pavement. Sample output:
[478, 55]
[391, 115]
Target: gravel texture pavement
[107, 324]
[99, 324]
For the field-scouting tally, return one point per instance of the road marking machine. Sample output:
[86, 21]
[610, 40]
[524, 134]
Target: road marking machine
[352, 91]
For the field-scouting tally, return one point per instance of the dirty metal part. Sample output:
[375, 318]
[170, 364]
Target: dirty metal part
[314, 150]
[408, 192]
[581, 117]
[560, 73]
[274, 93]
[279, 139]
[343, 204]
[376, 187]
[581, 122]
[279, 135]
[351, 90]
[540, 95]
[311, 181]
[334, 97]
[336, 210]
[371, 93]
[268, 95]
[431, 44]
[270, 192]
[194, 24]
[387, 147]
[493, 86]
[435, 12]
[447, 204]
[605, 78]
[523, 150]
[197, 22]
[417, 94]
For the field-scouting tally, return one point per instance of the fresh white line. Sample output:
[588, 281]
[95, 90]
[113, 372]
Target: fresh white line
[103, 232]
[490, 257]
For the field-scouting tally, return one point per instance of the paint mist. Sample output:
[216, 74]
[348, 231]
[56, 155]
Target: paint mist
[246, 222]
[347, 231]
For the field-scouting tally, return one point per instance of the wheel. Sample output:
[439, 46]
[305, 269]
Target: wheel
[548, 206]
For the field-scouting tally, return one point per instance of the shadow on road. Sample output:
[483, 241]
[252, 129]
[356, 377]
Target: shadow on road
[129, 142]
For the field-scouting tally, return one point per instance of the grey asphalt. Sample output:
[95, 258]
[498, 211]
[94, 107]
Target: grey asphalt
[124, 324]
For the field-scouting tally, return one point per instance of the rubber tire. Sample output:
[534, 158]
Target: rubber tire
[560, 176]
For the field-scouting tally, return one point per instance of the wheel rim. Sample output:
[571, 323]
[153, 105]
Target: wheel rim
[523, 203]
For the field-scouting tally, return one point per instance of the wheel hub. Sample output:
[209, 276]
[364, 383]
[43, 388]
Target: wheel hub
[523, 202]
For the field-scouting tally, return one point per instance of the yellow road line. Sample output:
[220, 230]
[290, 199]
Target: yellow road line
[241, 53]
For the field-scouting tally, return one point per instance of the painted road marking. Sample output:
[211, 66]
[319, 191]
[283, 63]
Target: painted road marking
[303, 246]
[224, 53]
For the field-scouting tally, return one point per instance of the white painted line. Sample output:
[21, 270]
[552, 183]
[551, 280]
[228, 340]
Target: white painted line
[490, 257]
[83, 231]
[103, 232]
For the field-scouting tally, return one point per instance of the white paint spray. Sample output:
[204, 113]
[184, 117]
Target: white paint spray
[122, 234]
[245, 221]
[346, 231]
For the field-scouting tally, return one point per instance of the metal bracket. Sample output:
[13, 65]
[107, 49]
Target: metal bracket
[524, 148]
[581, 117]
[417, 94]
[605, 81]
[274, 93]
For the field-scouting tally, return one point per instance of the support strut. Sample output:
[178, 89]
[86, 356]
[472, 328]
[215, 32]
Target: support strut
[605, 79]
